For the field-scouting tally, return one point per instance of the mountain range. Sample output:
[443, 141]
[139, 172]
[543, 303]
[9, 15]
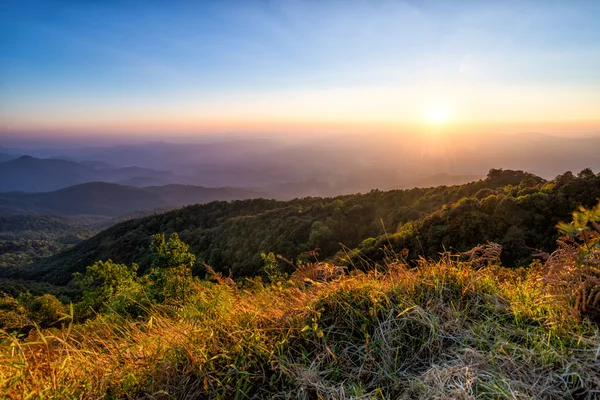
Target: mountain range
[299, 166]
[112, 200]
[31, 174]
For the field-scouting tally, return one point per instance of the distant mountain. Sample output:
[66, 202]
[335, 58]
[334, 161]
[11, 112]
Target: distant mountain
[97, 164]
[111, 200]
[316, 166]
[7, 157]
[144, 181]
[30, 174]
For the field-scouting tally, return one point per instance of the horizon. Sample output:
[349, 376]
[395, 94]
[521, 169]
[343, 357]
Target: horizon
[17, 142]
[126, 72]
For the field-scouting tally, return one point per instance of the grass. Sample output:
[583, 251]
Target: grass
[443, 330]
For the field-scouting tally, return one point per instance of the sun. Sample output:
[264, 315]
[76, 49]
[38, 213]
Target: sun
[437, 115]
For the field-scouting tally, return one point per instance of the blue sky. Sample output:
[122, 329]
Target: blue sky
[202, 65]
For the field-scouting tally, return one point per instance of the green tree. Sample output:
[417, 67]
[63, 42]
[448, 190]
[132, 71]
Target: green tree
[172, 253]
[170, 278]
[105, 282]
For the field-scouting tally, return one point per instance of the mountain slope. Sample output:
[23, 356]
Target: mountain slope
[521, 216]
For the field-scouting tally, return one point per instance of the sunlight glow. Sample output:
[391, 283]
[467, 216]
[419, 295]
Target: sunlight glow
[437, 115]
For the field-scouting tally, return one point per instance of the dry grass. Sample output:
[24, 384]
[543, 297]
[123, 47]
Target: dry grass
[443, 331]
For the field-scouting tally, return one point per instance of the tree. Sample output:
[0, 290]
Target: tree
[171, 278]
[102, 283]
[173, 253]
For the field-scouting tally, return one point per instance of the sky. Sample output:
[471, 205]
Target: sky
[77, 68]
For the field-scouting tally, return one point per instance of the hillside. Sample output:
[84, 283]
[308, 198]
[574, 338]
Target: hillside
[449, 329]
[516, 209]
[387, 326]
[28, 238]
[40, 226]
[111, 200]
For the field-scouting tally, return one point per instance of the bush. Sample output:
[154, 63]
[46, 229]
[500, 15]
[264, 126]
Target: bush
[13, 316]
[45, 311]
[572, 273]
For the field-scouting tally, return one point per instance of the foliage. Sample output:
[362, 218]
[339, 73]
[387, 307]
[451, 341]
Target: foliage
[271, 269]
[171, 275]
[18, 316]
[573, 271]
[45, 310]
[522, 224]
[107, 286]
[13, 316]
[172, 253]
[232, 236]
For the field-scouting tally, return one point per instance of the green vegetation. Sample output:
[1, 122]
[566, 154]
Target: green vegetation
[443, 329]
[25, 239]
[515, 209]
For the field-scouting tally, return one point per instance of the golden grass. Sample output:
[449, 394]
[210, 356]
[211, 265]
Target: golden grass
[443, 330]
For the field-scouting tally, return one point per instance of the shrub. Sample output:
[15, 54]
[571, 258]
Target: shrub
[45, 310]
[572, 272]
[13, 316]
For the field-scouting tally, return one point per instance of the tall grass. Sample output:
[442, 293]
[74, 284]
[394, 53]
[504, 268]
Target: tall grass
[443, 330]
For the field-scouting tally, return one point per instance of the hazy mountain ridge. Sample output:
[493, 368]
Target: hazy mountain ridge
[112, 200]
[348, 163]
[30, 174]
[316, 166]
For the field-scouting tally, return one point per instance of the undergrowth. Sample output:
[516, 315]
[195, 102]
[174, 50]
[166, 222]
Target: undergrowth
[441, 330]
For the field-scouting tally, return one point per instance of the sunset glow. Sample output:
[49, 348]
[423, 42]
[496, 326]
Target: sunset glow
[281, 67]
[438, 115]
